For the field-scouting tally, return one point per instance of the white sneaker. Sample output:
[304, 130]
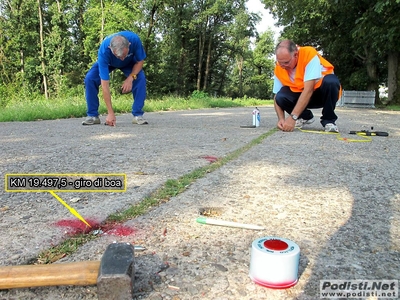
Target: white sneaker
[330, 127]
[300, 122]
[139, 120]
[91, 121]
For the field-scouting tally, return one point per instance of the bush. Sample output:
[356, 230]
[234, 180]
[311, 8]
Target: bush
[3, 96]
[199, 95]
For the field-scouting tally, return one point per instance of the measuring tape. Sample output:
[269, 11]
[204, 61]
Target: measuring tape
[365, 138]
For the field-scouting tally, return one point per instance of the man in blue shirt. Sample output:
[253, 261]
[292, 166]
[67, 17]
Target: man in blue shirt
[123, 51]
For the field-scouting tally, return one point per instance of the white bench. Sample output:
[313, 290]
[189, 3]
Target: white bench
[357, 99]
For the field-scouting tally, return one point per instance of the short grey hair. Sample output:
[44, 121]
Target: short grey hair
[288, 44]
[118, 44]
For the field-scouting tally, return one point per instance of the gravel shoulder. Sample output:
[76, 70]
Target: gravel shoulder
[338, 200]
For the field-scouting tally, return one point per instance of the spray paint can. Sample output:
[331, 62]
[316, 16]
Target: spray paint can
[256, 117]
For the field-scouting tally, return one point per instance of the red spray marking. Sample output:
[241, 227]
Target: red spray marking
[73, 226]
[120, 230]
[210, 158]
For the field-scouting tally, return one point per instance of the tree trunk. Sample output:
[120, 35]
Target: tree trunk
[21, 60]
[102, 21]
[393, 78]
[181, 80]
[240, 63]
[151, 26]
[202, 38]
[46, 93]
[372, 71]
[208, 63]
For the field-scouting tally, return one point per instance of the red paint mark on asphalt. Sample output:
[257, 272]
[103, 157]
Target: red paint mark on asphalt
[120, 230]
[74, 226]
[210, 158]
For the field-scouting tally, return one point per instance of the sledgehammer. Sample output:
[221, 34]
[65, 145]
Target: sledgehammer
[114, 274]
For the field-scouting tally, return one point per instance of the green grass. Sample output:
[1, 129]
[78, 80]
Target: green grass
[389, 107]
[75, 107]
[43, 110]
[63, 249]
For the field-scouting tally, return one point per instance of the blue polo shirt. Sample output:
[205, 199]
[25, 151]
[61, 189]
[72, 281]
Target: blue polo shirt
[107, 59]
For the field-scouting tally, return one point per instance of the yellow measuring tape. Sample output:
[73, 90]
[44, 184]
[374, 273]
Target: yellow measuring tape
[364, 137]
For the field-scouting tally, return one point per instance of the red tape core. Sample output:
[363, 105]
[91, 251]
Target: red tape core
[276, 245]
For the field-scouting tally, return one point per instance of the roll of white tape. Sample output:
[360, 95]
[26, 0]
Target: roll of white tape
[274, 262]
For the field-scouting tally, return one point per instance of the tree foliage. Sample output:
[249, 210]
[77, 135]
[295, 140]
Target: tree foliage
[47, 46]
[210, 46]
[361, 38]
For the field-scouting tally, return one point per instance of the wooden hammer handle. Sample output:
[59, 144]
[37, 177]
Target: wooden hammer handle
[76, 273]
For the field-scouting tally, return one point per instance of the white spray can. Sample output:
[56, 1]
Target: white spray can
[256, 117]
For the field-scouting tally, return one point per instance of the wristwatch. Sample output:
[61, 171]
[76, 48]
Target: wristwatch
[134, 76]
[294, 117]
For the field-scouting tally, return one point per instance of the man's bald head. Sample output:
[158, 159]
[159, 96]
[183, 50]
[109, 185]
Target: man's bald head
[286, 45]
[286, 54]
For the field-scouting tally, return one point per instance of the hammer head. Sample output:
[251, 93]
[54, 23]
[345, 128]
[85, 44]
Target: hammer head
[116, 272]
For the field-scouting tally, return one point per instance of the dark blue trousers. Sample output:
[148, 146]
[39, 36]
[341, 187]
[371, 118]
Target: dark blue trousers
[324, 97]
[92, 84]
